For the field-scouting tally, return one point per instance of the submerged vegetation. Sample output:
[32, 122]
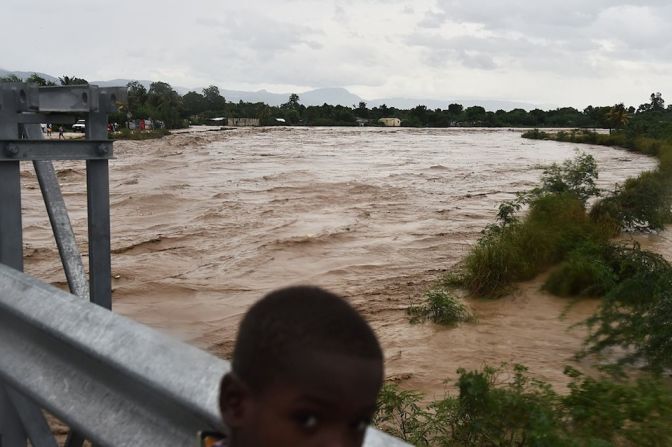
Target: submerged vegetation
[441, 306]
[568, 226]
[517, 249]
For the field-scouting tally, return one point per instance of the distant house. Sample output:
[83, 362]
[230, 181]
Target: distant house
[361, 122]
[243, 122]
[390, 122]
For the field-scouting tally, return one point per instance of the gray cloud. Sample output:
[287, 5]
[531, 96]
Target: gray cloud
[551, 51]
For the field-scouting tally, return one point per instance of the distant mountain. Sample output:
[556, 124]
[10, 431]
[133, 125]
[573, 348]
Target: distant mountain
[272, 99]
[27, 74]
[317, 97]
[330, 96]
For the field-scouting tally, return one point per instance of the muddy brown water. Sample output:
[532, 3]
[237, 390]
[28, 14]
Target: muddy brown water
[206, 223]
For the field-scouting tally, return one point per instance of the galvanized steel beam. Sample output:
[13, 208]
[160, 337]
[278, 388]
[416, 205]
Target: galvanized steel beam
[60, 221]
[81, 98]
[98, 205]
[115, 381]
[63, 233]
[12, 99]
[33, 420]
[27, 150]
[42, 118]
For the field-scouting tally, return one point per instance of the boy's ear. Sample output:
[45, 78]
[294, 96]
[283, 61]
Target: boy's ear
[232, 396]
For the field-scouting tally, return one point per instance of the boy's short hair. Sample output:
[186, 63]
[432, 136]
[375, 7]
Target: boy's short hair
[293, 322]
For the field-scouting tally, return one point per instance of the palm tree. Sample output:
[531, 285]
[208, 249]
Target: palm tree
[72, 80]
[618, 116]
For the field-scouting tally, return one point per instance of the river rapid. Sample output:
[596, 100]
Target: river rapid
[204, 224]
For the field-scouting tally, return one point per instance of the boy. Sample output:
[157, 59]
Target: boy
[306, 371]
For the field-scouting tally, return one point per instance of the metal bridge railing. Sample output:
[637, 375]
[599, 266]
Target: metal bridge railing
[113, 380]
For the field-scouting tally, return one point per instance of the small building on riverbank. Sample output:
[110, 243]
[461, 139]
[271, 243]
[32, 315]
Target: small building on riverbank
[243, 122]
[390, 122]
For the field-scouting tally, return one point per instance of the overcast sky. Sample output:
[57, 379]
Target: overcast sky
[560, 52]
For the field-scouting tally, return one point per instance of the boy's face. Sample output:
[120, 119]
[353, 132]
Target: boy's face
[328, 401]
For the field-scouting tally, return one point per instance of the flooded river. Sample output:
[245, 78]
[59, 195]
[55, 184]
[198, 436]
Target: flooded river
[206, 223]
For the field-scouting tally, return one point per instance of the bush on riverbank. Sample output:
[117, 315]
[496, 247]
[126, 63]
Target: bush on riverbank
[441, 307]
[641, 203]
[585, 272]
[636, 285]
[636, 311]
[518, 249]
[506, 407]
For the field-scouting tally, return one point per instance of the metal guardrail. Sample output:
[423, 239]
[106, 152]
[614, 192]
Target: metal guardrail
[115, 381]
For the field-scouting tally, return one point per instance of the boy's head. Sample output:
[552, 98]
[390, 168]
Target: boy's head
[306, 371]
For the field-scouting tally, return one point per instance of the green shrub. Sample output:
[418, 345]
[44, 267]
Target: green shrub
[644, 202]
[619, 413]
[513, 250]
[441, 307]
[576, 176]
[555, 225]
[535, 134]
[401, 414]
[636, 313]
[498, 407]
[585, 272]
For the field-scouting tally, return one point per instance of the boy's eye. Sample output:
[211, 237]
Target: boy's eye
[307, 421]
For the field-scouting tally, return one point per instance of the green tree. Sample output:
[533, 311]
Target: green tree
[165, 104]
[618, 116]
[293, 102]
[475, 114]
[72, 80]
[11, 78]
[455, 110]
[362, 111]
[657, 101]
[213, 99]
[194, 104]
[39, 80]
[137, 98]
